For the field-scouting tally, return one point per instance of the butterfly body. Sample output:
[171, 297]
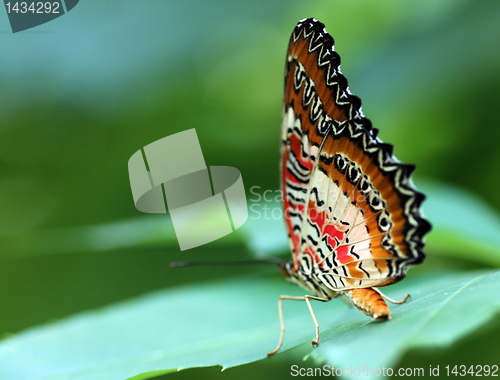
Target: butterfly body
[367, 300]
[352, 213]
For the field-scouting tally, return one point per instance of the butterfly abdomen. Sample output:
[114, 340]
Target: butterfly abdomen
[370, 302]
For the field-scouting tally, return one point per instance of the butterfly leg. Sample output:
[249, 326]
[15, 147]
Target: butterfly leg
[390, 299]
[307, 298]
[280, 310]
[345, 299]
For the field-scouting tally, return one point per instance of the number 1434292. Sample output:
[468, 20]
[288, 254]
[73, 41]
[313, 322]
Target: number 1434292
[33, 7]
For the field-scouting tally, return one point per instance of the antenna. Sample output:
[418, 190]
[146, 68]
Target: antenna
[222, 263]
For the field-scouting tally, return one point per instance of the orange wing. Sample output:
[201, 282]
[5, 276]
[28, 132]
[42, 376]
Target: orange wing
[352, 214]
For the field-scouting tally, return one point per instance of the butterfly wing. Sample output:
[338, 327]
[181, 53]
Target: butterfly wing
[353, 215]
[316, 95]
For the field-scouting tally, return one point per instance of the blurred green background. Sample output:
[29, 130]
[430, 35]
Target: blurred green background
[79, 95]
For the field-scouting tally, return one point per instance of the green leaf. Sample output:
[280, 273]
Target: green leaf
[463, 224]
[143, 231]
[445, 308]
[236, 322]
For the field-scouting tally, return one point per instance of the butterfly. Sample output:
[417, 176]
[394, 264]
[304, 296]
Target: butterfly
[351, 210]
